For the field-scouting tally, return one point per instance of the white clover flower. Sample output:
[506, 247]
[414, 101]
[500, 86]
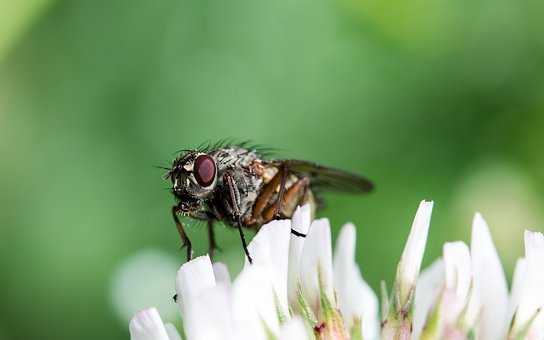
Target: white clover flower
[296, 289]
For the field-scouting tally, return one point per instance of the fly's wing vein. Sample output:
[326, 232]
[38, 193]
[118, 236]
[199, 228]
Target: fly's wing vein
[328, 178]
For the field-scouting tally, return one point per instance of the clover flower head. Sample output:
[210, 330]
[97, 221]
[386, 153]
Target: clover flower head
[298, 288]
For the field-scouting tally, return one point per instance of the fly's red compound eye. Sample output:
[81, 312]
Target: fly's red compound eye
[204, 170]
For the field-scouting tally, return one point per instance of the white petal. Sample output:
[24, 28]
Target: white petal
[355, 297]
[210, 316]
[254, 305]
[536, 332]
[316, 263]
[301, 223]
[294, 329]
[270, 250]
[192, 278]
[489, 281]
[518, 282]
[301, 219]
[473, 310]
[428, 288]
[411, 258]
[147, 325]
[172, 332]
[532, 297]
[221, 273]
[458, 278]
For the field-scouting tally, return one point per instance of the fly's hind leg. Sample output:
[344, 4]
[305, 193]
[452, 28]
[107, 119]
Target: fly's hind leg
[185, 242]
[302, 199]
[266, 194]
[289, 200]
[280, 201]
[262, 207]
[296, 195]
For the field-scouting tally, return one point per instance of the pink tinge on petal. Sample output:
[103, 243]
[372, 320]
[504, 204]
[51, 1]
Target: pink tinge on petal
[452, 333]
[147, 325]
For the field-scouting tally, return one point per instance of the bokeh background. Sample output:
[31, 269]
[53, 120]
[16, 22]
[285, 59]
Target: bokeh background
[431, 99]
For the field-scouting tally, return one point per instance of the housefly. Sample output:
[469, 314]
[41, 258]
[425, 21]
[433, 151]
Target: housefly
[238, 185]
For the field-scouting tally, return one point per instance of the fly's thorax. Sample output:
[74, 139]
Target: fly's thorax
[233, 158]
[247, 187]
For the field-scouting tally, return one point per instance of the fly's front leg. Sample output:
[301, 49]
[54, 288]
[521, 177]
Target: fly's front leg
[185, 242]
[211, 240]
[229, 182]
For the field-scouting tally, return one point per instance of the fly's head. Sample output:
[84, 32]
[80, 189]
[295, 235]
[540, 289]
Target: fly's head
[194, 177]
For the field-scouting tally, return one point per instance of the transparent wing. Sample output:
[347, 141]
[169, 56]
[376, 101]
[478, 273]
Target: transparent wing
[328, 178]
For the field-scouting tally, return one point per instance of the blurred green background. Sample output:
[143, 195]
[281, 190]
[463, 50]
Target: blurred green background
[431, 99]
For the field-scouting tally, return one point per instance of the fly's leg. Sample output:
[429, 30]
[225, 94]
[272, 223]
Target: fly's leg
[266, 194]
[289, 201]
[295, 196]
[185, 242]
[229, 181]
[279, 202]
[211, 240]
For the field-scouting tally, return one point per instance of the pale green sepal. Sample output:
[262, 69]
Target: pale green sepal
[305, 309]
[357, 330]
[385, 298]
[269, 334]
[281, 316]
[432, 328]
[522, 333]
[332, 326]
[471, 335]
[396, 329]
[398, 323]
